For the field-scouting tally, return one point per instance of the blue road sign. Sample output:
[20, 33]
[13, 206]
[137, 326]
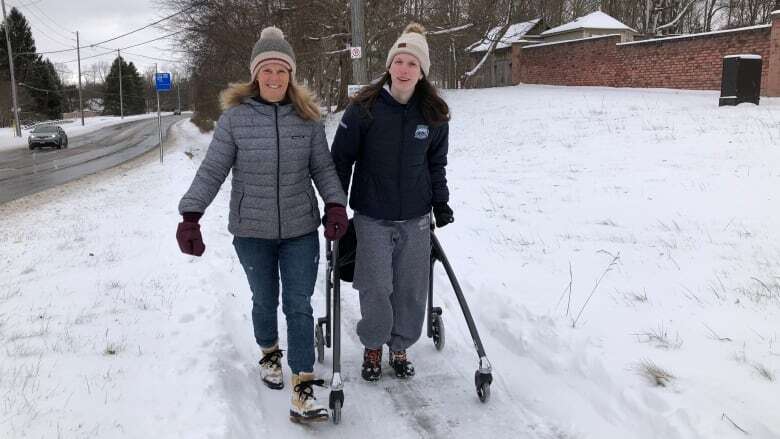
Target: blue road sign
[163, 81]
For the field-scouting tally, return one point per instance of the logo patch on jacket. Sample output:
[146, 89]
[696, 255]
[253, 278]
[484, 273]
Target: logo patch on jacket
[421, 132]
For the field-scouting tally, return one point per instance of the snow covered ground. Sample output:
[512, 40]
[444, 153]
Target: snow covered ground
[608, 240]
[72, 128]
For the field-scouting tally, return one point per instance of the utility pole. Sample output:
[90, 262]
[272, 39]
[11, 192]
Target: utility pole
[121, 104]
[178, 91]
[159, 116]
[359, 70]
[78, 56]
[18, 130]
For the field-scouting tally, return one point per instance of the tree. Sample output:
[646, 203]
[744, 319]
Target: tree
[218, 35]
[45, 89]
[41, 93]
[23, 46]
[132, 89]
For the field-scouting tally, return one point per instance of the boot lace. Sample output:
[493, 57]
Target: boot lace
[272, 358]
[399, 358]
[304, 389]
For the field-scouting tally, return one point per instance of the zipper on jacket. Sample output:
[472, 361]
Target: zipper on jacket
[278, 170]
[400, 163]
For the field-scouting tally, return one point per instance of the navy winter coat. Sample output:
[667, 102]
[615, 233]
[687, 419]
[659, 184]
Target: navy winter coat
[399, 159]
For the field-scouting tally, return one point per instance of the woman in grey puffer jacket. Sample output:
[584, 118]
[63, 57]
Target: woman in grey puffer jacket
[270, 137]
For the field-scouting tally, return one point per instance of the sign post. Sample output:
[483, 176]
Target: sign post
[356, 52]
[162, 82]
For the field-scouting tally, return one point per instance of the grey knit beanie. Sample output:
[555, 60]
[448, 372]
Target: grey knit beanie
[271, 47]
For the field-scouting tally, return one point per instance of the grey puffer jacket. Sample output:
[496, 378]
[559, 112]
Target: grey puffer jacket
[274, 155]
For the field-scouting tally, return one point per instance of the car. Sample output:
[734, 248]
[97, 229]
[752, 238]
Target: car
[177, 112]
[47, 135]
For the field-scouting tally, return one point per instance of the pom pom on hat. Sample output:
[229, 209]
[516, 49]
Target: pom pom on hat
[415, 28]
[272, 32]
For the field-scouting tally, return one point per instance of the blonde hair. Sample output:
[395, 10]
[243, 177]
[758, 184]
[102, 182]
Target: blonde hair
[302, 99]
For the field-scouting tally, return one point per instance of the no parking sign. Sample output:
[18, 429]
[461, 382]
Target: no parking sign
[356, 52]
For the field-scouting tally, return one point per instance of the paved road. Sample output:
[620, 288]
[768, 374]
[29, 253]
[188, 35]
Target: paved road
[24, 172]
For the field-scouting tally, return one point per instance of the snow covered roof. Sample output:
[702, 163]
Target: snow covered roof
[594, 20]
[513, 34]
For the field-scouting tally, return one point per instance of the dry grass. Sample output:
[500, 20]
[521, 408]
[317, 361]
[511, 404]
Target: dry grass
[764, 371]
[657, 375]
[661, 338]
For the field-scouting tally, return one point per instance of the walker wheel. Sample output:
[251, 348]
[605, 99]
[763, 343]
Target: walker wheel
[482, 382]
[335, 403]
[438, 331]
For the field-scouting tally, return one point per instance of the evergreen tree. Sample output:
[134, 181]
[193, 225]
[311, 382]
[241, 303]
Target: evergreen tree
[132, 89]
[47, 103]
[38, 77]
[111, 99]
[23, 46]
[134, 103]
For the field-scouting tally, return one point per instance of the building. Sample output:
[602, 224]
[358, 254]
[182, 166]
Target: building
[497, 69]
[592, 25]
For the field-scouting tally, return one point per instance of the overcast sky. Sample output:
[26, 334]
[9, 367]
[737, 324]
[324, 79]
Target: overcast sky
[54, 23]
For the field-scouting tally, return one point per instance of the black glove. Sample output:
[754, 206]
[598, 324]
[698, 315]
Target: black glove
[443, 214]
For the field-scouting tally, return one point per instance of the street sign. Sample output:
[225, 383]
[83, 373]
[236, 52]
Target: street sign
[356, 52]
[162, 81]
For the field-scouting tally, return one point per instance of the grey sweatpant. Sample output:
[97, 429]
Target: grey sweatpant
[392, 267]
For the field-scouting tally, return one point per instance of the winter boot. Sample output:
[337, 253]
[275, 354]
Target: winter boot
[271, 367]
[401, 365]
[304, 408]
[372, 364]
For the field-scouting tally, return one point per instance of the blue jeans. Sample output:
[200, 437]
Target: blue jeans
[297, 260]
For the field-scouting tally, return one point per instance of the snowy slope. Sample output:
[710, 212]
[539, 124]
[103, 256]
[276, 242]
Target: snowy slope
[663, 200]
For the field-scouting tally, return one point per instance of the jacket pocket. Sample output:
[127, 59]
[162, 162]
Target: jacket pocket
[312, 205]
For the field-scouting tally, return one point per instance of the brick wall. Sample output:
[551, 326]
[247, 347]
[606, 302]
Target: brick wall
[772, 87]
[690, 62]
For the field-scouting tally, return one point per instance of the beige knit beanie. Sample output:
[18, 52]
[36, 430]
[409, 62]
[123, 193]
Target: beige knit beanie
[412, 42]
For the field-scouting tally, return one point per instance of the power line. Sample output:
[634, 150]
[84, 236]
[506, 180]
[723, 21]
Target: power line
[142, 56]
[41, 66]
[41, 32]
[147, 26]
[153, 58]
[62, 92]
[45, 90]
[24, 5]
[89, 57]
[147, 42]
[120, 36]
[48, 27]
[128, 47]
[69, 32]
[44, 53]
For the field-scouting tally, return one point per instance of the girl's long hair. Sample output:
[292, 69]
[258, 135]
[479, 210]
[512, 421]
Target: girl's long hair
[303, 100]
[433, 108]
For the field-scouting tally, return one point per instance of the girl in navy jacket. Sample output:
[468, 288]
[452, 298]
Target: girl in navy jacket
[395, 135]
